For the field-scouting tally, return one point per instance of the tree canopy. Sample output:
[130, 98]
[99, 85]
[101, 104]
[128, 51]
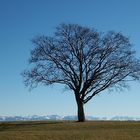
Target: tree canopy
[84, 60]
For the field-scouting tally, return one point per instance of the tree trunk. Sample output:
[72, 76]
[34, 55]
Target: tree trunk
[80, 110]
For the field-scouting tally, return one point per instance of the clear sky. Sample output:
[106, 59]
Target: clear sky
[21, 20]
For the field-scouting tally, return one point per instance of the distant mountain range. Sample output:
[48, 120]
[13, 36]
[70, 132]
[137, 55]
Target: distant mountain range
[57, 117]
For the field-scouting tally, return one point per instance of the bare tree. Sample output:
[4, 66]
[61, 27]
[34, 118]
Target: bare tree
[84, 60]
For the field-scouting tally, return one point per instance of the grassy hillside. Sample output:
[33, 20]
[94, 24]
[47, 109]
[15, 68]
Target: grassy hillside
[51, 130]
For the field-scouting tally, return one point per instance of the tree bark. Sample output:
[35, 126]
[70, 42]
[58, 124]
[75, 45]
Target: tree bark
[80, 110]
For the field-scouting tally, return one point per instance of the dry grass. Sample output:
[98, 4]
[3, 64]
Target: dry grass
[57, 130]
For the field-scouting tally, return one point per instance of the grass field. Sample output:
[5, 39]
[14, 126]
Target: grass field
[63, 130]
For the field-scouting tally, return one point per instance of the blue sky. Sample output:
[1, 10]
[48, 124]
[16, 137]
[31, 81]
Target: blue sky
[21, 20]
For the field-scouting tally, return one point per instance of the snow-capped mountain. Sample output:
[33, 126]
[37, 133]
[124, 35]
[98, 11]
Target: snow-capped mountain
[57, 117]
[124, 118]
[28, 118]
